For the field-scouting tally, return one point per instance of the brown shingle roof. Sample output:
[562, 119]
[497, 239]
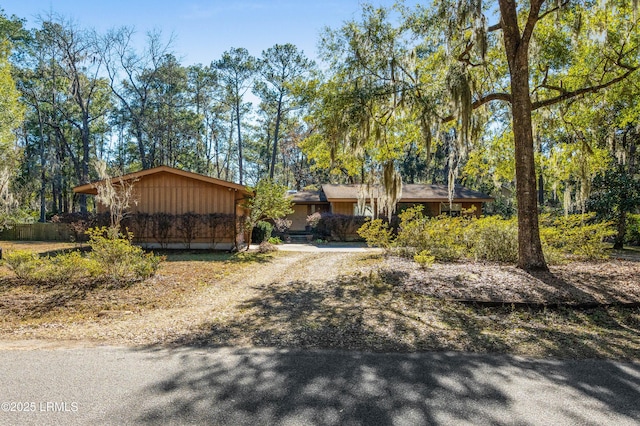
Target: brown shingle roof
[419, 192]
[410, 193]
[308, 197]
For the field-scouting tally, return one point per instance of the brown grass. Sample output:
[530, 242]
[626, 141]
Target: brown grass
[331, 300]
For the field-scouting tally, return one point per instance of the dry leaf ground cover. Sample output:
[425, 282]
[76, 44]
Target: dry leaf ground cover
[357, 301]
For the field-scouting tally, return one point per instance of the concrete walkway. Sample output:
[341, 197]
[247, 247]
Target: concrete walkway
[326, 247]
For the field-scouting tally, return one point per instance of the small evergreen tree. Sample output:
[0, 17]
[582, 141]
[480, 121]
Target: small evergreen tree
[268, 202]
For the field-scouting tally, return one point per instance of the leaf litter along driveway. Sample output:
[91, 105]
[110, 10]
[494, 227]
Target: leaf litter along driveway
[354, 300]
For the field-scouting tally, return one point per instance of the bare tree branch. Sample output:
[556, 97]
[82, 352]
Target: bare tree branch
[585, 90]
[504, 97]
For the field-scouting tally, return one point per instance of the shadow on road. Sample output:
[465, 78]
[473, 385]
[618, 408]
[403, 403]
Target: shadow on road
[260, 386]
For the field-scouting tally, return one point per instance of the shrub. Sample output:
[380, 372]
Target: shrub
[424, 259]
[578, 235]
[140, 223]
[25, 264]
[187, 227]
[376, 233]
[161, 227]
[488, 238]
[221, 226]
[340, 226]
[118, 260]
[262, 231]
[68, 267]
[443, 237]
[411, 229]
[266, 247]
[633, 230]
[112, 259]
[313, 219]
[64, 268]
[282, 225]
[494, 238]
[274, 240]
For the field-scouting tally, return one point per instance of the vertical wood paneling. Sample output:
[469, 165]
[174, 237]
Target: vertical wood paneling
[343, 208]
[177, 195]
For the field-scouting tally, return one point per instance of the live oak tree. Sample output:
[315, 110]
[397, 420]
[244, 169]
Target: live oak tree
[555, 52]
[476, 65]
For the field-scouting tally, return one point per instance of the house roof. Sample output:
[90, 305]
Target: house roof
[410, 193]
[90, 188]
[308, 197]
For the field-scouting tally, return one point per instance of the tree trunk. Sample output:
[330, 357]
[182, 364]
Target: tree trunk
[618, 243]
[85, 161]
[141, 149]
[540, 189]
[275, 138]
[239, 141]
[530, 255]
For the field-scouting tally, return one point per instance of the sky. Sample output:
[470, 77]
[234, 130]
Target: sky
[204, 29]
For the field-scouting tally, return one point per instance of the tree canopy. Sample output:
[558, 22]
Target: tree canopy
[527, 100]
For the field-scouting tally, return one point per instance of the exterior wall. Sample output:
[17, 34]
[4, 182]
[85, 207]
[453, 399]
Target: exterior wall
[300, 212]
[169, 193]
[343, 208]
[299, 217]
[432, 209]
[177, 195]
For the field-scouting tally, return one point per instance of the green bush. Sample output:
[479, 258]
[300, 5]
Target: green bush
[488, 238]
[576, 235]
[424, 259]
[274, 240]
[494, 238]
[262, 232]
[117, 259]
[376, 233]
[112, 258]
[443, 237]
[25, 264]
[67, 267]
[411, 230]
[633, 230]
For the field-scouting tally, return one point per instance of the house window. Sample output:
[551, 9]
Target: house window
[451, 209]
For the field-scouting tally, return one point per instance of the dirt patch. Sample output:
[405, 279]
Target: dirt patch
[362, 301]
[574, 284]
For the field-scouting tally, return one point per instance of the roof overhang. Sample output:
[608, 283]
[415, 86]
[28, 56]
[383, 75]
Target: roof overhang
[91, 188]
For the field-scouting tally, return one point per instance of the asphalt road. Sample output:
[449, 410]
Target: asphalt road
[235, 386]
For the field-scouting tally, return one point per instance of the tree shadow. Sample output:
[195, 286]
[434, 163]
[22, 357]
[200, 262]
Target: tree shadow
[214, 256]
[359, 359]
[253, 386]
[582, 285]
[39, 299]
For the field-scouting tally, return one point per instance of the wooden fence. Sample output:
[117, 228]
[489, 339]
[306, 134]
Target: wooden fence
[37, 232]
